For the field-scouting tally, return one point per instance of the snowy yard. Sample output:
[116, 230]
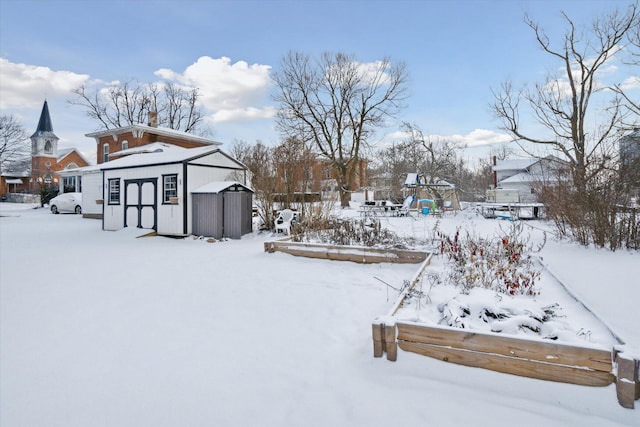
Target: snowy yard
[103, 329]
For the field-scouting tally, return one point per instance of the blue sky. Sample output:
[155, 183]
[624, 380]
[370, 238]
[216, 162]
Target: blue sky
[455, 52]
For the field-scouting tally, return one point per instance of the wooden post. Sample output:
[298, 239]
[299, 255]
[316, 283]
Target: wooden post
[390, 340]
[627, 380]
[378, 337]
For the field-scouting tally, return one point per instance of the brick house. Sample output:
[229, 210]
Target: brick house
[127, 137]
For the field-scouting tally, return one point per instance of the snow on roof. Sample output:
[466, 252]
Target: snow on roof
[520, 178]
[13, 181]
[513, 164]
[219, 186]
[154, 147]
[162, 131]
[171, 155]
[412, 179]
[65, 152]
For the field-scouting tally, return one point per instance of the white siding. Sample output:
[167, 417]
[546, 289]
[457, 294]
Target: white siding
[91, 192]
[170, 217]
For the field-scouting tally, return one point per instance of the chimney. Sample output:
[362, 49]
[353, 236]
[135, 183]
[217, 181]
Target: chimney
[495, 174]
[153, 119]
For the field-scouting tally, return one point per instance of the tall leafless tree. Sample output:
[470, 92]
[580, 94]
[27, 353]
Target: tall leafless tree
[259, 159]
[14, 143]
[129, 103]
[562, 104]
[337, 103]
[583, 121]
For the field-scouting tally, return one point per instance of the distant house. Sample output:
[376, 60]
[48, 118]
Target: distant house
[154, 188]
[630, 148]
[525, 176]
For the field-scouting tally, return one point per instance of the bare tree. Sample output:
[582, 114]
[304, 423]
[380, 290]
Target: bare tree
[295, 162]
[14, 145]
[587, 206]
[259, 159]
[434, 158]
[129, 103]
[562, 104]
[633, 58]
[337, 103]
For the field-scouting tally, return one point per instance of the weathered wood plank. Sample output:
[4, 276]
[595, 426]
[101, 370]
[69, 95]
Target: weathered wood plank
[512, 365]
[550, 352]
[627, 381]
[346, 253]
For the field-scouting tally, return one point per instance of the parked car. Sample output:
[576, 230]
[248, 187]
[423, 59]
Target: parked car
[66, 202]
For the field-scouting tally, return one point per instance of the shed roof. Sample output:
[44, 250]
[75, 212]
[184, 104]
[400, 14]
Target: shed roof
[219, 187]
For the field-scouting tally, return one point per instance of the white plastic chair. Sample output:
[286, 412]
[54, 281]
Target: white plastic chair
[283, 221]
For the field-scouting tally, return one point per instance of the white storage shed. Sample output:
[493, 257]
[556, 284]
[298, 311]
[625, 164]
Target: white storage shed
[154, 190]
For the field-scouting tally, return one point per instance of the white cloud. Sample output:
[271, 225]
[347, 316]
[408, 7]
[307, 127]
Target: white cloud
[25, 86]
[480, 137]
[475, 138]
[631, 83]
[231, 92]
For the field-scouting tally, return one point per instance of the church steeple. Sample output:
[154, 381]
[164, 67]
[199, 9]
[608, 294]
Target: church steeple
[45, 128]
[44, 150]
[43, 141]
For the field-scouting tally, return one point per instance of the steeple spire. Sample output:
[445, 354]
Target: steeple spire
[45, 128]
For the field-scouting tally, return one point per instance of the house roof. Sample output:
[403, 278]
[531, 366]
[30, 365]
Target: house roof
[415, 179]
[154, 147]
[140, 129]
[513, 164]
[45, 127]
[218, 187]
[65, 152]
[13, 181]
[522, 177]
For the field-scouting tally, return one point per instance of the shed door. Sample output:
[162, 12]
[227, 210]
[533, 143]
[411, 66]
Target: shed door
[141, 202]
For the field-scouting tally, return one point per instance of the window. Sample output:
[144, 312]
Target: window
[114, 191]
[47, 178]
[169, 187]
[105, 153]
[48, 147]
[69, 183]
[125, 144]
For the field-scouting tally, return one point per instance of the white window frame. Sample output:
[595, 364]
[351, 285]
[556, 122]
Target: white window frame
[113, 191]
[169, 187]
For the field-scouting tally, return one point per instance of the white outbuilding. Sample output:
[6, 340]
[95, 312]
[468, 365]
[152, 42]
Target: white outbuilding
[154, 189]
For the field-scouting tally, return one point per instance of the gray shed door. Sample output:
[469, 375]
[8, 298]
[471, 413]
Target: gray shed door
[208, 215]
[226, 214]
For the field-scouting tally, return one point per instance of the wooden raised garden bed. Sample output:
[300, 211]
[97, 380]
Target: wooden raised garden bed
[533, 358]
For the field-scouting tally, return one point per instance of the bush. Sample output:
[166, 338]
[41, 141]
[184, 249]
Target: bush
[47, 193]
[502, 264]
[337, 231]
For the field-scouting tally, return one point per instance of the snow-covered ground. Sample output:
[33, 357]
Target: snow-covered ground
[105, 329]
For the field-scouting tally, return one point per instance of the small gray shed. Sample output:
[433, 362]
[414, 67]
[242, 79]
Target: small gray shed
[222, 209]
